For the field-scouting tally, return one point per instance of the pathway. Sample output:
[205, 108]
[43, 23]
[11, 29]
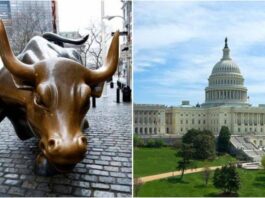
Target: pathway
[174, 173]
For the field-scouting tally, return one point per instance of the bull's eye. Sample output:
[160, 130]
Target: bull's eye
[38, 101]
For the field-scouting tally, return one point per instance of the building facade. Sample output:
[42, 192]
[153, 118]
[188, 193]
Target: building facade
[226, 104]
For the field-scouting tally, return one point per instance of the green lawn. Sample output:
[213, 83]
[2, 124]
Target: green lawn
[150, 161]
[252, 185]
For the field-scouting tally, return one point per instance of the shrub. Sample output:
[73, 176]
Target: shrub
[137, 141]
[158, 143]
[150, 143]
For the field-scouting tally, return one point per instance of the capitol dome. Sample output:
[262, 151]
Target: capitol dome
[226, 83]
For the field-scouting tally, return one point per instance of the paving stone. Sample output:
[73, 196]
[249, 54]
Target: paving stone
[44, 187]
[126, 170]
[80, 192]
[121, 188]
[101, 162]
[111, 168]
[35, 193]
[31, 184]
[98, 172]
[124, 195]
[80, 184]
[62, 189]
[11, 176]
[4, 189]
[117, 174]
[124, 181]
[16, 191]
[91, 178]
[100, 185]
[107, 179]
[116, 163]
[13, 182]
[94, 166]
[98, 193]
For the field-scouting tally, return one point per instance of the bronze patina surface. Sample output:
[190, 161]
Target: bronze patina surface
[46, 91]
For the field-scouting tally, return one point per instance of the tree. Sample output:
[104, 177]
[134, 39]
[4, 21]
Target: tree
[190, 136]
[206, 173]
[91, 51]
[203, 143]
[204, 146]
[223, 140]
[26, 24]
[263, 161]
[227, 179]
[186, 153]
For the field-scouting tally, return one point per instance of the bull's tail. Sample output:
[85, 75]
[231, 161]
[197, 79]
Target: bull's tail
[59, 40]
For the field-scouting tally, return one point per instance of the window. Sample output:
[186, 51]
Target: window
[199, 121]
[203, 121]
[145, 130]
[136, 130]
[192, 121]
[141, 130]
[150, 130]
[187, 121]
[224, 121]
[181, 121]
[238, 129]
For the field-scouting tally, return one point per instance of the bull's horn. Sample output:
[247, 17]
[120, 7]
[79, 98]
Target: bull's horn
[110, 66]
[14, 66]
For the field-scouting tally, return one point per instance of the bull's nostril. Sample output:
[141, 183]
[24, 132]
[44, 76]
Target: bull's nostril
[42, 146]
[83, 140]
[51, 143]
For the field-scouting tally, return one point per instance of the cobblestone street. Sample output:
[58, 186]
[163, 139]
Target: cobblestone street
[105, 172]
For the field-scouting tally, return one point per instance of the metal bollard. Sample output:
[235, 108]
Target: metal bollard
[118, 95]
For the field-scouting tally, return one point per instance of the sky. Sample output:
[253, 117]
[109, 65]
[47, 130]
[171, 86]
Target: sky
[176, 45]
[76, 15]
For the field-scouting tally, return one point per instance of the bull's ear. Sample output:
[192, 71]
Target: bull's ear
[22, 84]
[96, 91]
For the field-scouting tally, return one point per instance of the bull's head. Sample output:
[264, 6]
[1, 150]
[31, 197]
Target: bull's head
[59, 90]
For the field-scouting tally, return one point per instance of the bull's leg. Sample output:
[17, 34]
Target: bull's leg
[43, 167]
[85, 124]
[21, 126]
[2, 114]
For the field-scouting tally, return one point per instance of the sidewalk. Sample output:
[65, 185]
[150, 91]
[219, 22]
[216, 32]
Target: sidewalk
[172, 174]
[105, 171]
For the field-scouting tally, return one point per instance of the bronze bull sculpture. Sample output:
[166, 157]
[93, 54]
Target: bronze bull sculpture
[47, 95]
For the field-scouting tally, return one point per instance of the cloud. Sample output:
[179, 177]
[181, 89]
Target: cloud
[176, 45]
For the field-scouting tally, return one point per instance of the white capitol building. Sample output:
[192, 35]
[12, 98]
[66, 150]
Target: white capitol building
[226, 104]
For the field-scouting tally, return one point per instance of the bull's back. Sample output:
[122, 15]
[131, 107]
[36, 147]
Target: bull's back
[39, 49]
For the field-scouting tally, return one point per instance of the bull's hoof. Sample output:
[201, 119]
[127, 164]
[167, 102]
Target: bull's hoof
[43, 167]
